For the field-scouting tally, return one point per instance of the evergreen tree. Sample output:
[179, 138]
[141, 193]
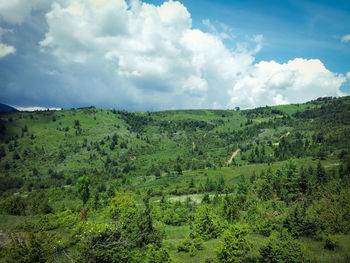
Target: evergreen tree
[233, 247]
[320, 174]
[83, 188]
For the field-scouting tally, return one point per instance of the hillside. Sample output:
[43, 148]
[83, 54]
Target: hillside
[6, 108]
[118, 186]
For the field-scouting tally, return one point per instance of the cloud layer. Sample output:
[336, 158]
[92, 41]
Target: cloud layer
[146, 57]
[17, 11]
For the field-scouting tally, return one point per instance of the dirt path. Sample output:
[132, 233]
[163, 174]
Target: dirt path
[285, 135]
[234, 155]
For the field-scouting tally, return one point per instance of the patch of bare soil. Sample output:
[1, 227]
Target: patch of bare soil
[234, 155]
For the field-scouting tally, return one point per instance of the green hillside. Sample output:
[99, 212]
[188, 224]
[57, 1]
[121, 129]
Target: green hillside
[269, 184]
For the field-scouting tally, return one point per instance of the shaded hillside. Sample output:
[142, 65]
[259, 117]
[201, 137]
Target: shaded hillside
[6, 108]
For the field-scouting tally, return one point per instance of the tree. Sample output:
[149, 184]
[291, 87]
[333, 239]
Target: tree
[221, 185]
[206, 198]
[16, 156]
[83, 188]
[320, 173]
[264, 189]
[233, 247]
[205, 224]
[2, 152]
[191, 185]
[230, 208]
[178, 169]
[146, 233]
[112, 146]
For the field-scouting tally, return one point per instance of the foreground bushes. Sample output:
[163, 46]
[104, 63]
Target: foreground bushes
[234, 246]
[282, 248]
[29, 247]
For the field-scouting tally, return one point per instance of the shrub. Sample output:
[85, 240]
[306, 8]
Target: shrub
[28, 248]
[190, 244]
[100, 243]
[156, 254]
[283, 248]
[16, 156]
[331, 242]
[206, 198]
[13, 205]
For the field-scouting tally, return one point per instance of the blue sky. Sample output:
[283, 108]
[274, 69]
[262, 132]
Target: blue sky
[308, 29]
[155, 55]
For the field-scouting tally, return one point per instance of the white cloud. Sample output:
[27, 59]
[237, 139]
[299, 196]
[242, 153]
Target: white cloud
[151, 55]
[346, 38]
[348, 75]
[6, 50]
[298, 80]
[34, 108]
[226, 32]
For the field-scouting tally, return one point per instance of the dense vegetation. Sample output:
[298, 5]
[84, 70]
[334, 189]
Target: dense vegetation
[270, 184]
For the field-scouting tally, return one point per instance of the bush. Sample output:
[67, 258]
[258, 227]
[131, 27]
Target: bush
[282, 248]
[190, 244]
[156, 254]
[29, 248]
[135, 224]
[8, 182]
[100, 243]
[331, 242]
[13, 205]
[175, 214]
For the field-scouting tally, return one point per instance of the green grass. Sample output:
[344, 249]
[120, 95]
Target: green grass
[175, 234]
[318, 253]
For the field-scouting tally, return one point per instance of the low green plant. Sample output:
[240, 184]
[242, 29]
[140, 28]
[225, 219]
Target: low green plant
[283, 248]
[331, 242]
[29, 247]
[190, 244]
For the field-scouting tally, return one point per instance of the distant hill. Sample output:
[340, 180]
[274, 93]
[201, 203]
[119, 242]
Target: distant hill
[7, 108]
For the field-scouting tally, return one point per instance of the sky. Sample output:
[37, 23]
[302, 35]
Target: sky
[157, 55]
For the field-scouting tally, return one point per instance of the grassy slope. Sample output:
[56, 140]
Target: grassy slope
[152, 146]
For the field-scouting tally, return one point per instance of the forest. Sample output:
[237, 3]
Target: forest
[270, 184]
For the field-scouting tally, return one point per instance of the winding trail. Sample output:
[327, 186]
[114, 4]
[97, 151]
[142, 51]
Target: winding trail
[234, 155]
[285, 135]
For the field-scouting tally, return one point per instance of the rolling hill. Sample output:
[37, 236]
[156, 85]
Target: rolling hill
[174, 185]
